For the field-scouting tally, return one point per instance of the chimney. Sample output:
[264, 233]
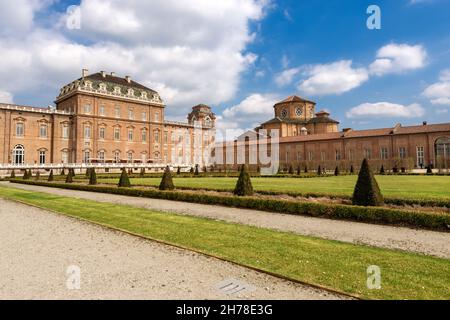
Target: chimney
[345, 130]
[424, 123]
[84, 73]
[113, 74]
[103, 74]
[128, 79]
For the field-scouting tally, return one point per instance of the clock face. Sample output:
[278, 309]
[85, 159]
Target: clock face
[284, 113]
[298, 111]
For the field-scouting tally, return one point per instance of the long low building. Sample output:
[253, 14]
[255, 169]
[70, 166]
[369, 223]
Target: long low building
[103, 118]
[309, 139]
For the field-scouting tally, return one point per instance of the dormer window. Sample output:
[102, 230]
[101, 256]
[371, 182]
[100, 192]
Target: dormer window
[88, 85]
[130, 92]
[208, 121]
[102, 87]
[144, 95]
[117, 90]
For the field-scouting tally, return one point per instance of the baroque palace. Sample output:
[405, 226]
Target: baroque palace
[309, 139]
[103, 118]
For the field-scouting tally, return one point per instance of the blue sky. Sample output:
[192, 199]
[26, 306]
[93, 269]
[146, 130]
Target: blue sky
[240, 56]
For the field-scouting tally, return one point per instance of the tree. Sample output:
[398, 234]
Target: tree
[367, 192]
[336, 171]
[70, 175]
[63, 172]
[395, 169]
[306, 168]
[25, 175]
[429, 170]
[291, 169]
[50, 176]
[178, 170]
[13, 174]
[166, 181]
[88, 172]
[191, 170]
[352, 170]
[124, 181]
[319, 171]
[299, 170]
[92, 177]
[382, 169]
[196, 170]
[244, 184]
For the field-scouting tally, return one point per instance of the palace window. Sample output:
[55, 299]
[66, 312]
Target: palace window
[298, 111]
[117, 111]
[384, 153]
[18, 154]
[130, 156]
[338, 155]
[20, 129]
[42, 157]
[144, 135]
[87, 132]
[402, 152]
[43, 131]
[65, 132]
[420, 156]
[351, 155]
[87, 108]
[299, 156]
[310, 156]
[207, 121]
[101, 133]
[323, 155]
[367, 154]
[87, 156]
[117, 134]
[157, 117]
[156, 136]
[130, 114]
[144, 116]
[284, 113]
[166, 137]
[130, 134]
[101, 156]
[117, 90]
[65, 156]
[102, 110]
[116, 156]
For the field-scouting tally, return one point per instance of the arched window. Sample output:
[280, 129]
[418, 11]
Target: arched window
[207, 121]
[18, 154]
[442, 148]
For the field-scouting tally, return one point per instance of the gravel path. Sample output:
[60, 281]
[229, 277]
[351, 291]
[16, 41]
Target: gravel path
[37, 247]
[421, 241]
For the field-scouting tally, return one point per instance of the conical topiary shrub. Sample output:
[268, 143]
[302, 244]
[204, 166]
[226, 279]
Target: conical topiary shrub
[50, 176]
[336, 171]
[291, 169]
[299, 170]
[395, 169]
[63, 172]
[142, 173]
[38, 175]
[367, 192]
[244, 184]
[124, 181]
[306, 169]
[178, 170]
[13, 174]
[382, 169]
[429, 170]
[92, 177]
[30, 174]
[196, 170]
[352, 170]
[319, 171]
[25, 175]
[166, 181]
[191, 170]
[69, 177]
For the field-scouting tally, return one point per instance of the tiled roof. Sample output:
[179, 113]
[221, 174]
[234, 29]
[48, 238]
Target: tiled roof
[324, 119]
[294, 99]
[423, 128]
[116, 80]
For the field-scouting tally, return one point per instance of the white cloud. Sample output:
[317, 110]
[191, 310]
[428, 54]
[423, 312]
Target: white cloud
[6, 97]
[439, 93]
[191, 54]
[286, 77]
[445, 75]
[255, 108]
[398, 58]
[334, 78]
[385, 110]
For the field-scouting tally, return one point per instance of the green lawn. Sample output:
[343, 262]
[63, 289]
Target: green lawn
[414, 187]
[333, 264]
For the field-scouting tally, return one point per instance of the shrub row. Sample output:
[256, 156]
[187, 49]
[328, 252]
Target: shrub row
[415, 219]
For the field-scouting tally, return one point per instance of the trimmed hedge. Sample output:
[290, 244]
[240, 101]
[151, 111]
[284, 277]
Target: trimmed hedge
[378, 215]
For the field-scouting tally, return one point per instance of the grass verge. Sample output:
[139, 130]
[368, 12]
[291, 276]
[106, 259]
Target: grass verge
[332, 264]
